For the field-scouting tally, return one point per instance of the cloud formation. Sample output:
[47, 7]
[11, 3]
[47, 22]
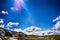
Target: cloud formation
[2, 25]
[55, 30]
[1, 21]
[12, 23]
[31, 30]
[4, 12]
[57, 25]
[17, 29]
[58, 18]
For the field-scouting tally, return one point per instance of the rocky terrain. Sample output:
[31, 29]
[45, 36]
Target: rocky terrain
[13, 35]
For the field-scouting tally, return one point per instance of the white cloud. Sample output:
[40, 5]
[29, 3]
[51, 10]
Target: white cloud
[1, 21]
[4, 12]
[57, 25]
[46, 32]
[18, 29]
[42, 33]
[2, 25]
[50, 32]
[31, 30]
[38, 31]
[12, 23]
[12, 8]
[58, 18]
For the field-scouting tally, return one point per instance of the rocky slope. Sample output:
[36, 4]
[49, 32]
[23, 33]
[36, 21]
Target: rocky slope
[13, 35]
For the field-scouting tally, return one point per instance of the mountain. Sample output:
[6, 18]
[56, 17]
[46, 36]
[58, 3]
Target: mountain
[13, 35]
[7, 34]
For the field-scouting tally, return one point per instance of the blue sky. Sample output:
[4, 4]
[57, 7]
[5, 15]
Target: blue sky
[38, 13]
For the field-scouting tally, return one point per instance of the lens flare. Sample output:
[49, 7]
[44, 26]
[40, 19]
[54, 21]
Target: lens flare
[17, 5]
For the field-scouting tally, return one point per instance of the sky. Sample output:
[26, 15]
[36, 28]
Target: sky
[26, 13]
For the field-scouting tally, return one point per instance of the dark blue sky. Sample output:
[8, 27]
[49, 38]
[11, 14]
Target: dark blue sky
[40, 13]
